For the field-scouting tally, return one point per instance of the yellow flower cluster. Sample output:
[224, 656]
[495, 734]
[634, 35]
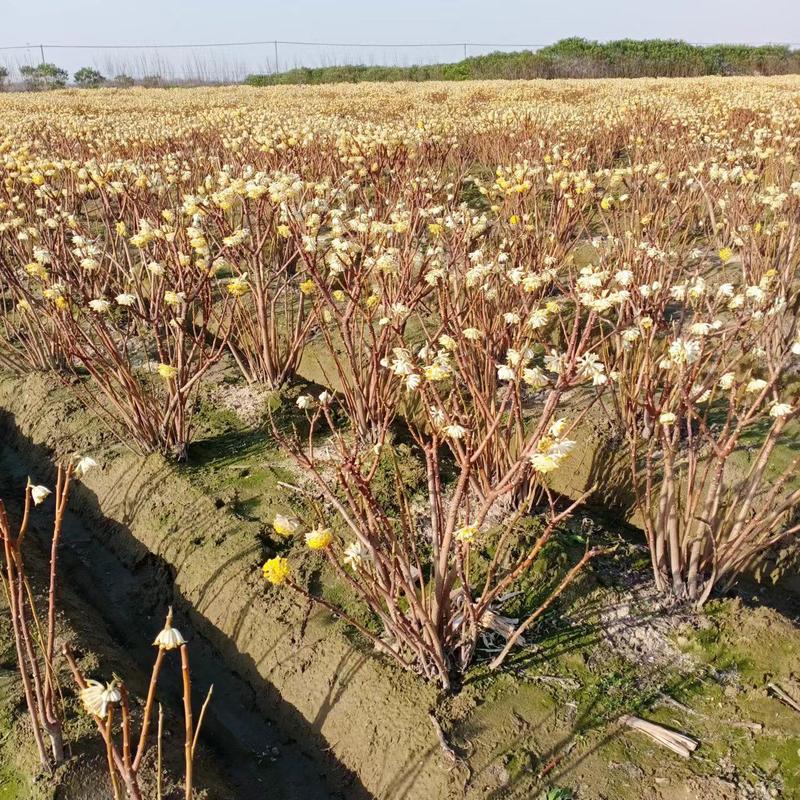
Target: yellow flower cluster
[276, 570]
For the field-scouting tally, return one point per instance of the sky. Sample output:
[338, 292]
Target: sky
[492, 22]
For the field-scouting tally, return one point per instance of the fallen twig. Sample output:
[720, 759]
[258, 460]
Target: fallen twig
[556, 760]
[671, 701]
[677, 742]
[783, 696]
[755, 727]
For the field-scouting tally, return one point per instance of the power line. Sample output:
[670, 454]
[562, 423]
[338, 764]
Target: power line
[385, 45]
[259, 43]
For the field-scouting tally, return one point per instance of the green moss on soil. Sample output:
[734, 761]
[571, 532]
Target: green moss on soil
[13, 782]
[744, 649]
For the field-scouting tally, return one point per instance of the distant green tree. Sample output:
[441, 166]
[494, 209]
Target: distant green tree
[43, 76]
[123, 81]
[89, 78]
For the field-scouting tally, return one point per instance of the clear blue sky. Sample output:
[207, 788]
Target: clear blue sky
[149, 22]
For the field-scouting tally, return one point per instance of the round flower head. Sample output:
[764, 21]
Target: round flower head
[544, 462]
[284, 526]
[83, 464]
[779, 410]
[467, 533]
[167, 371]
[38, 493]
[36, 270]
[276, 570]
[667, 418]
[755, 385]
[726, 290]
[100, 306]
[534, 377]
[97, 698]
[454, 431]
[353, 554]
[538, 318]
[684, 351]
[412, 382]
[173, 299]
[237, 287]
[505, 373]
[236, 238]
[437, 371]
[169, 638]
[319, 538]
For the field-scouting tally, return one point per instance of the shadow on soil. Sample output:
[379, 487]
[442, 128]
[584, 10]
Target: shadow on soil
[262, 742]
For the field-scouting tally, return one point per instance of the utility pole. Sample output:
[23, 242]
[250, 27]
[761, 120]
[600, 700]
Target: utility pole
[465, 49]
[41, 50]
[276, 56]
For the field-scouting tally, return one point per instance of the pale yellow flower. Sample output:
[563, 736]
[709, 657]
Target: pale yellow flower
[284, 526]
[467, 533]
[780, 410]
[319, 538]
[83, 464]
[238, 286]
[167, 371]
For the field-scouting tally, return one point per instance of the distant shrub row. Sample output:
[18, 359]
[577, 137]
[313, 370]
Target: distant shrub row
[44, 76]
[569, 58]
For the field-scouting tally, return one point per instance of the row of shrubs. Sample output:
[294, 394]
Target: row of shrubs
[50, 76]
[569, 58]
